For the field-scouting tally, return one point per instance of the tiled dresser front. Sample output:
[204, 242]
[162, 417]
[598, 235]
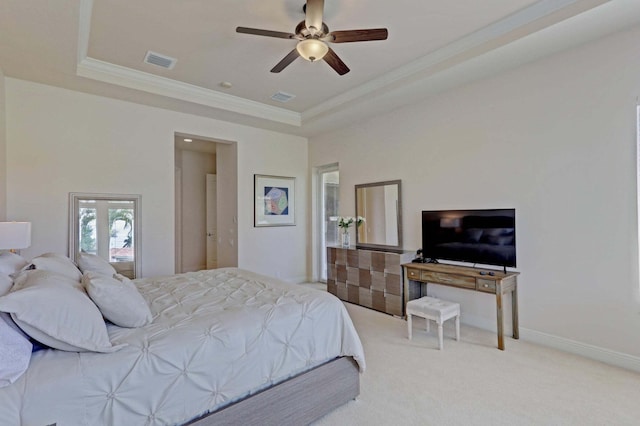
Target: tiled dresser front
[367, 277]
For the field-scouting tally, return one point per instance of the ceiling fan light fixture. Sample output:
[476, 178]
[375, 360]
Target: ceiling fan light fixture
[312, 49]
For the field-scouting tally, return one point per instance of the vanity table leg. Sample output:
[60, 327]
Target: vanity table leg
[514, 311]
[499, 315]
[405, 296]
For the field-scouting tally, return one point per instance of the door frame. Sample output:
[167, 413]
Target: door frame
[214, 178]
[320, 244]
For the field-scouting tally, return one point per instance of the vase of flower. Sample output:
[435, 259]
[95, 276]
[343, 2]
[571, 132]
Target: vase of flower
[344, 222]
[345, 238]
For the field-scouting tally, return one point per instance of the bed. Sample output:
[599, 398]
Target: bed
[225, 346]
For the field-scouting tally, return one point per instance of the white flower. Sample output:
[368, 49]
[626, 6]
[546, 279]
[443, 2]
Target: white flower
[346, 221]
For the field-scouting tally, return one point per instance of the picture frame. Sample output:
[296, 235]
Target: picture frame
[274, 201]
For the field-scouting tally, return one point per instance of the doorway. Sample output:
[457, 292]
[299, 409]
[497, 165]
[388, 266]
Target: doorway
[206, 202]
[211, 198]
[328, 208]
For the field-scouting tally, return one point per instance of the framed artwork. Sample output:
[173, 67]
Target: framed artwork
[274, 201]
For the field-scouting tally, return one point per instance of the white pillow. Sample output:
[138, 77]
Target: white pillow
[118, 299]
[15, 354]
[6, 282]
[11, 263]
[55, 311]
[92, 263]
[57, 263]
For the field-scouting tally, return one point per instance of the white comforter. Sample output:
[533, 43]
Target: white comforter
[216, 336]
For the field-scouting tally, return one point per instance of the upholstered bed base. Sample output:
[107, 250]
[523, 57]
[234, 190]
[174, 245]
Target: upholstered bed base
[297, 401]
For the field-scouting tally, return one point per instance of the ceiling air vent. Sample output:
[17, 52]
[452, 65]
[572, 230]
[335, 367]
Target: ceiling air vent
[282, 97]
[159, 60]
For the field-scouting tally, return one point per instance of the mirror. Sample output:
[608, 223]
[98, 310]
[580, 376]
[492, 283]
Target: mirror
[107, 225]
[380, 204]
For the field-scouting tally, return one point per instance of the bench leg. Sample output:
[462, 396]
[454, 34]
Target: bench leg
[409, 325]
[440, 343]
[458, 327]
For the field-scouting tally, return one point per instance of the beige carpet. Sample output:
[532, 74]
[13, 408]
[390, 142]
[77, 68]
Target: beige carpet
[471, 382]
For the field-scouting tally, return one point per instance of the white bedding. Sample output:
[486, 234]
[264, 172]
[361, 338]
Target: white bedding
[216, 336]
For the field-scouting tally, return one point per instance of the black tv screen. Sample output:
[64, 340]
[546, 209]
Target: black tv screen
[473, 236]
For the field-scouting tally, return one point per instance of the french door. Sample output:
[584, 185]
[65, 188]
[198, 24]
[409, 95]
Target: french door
[328, 207]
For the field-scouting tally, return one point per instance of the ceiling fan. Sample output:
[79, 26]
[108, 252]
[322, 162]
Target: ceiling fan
[313, 35]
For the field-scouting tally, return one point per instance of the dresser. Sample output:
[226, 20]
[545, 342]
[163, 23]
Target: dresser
[368, 278]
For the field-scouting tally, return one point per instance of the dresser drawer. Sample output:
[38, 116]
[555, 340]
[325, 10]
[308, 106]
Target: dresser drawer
[413, 274]
[365, 297]
[342, 291]
[486, 285]
[393, 304]
[331, 287]
[448, 279]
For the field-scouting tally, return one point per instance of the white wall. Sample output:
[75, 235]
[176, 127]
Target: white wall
[227, 200]
[60, 141]
[556, 140]
[269, 241]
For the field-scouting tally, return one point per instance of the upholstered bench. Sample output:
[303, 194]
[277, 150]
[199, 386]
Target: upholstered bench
[436, 310]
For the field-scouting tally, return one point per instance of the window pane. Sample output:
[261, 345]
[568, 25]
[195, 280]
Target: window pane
[88, 235]
[121, 235]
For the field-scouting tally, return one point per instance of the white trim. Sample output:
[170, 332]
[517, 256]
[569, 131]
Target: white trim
[133, 79]
[177, 173]
[588, 351]
[318, 243]
[74, 200]
[585, 350]
[315, 225]
[528, 20]
[139, 80]
[84, 28]
[539, 15]
[638, 181]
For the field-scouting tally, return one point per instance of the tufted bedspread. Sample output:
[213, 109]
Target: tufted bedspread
[216, 337]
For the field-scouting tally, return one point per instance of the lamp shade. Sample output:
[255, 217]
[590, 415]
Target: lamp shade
[312, 49]
[15, 235]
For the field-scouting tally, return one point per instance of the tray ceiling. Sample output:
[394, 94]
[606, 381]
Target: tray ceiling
[99, 46]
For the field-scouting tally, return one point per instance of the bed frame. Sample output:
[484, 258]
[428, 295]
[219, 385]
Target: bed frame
[297, 401]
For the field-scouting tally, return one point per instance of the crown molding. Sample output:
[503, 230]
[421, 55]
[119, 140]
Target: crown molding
[513, 27]
[84, 28]
[134, 79]
[127, 77]
[539, 15]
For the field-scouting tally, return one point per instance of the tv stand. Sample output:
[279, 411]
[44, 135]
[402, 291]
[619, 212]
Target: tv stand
[418, 275]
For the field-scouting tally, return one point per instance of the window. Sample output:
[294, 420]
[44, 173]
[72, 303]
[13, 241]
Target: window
[107, 226]
[106, 229]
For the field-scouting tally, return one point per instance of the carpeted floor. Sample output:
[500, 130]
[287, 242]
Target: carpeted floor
[471, 382]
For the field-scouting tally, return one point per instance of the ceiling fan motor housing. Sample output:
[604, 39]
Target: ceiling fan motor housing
[313, 35]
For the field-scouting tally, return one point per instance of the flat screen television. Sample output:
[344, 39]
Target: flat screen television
[474, 236]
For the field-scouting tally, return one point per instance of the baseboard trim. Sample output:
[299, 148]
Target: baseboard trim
[607, 356]
[596, 353]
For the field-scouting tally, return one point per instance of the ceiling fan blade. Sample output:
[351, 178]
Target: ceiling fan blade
[313, 15]
[286, 61]
[335, 62]
[267, 33]
[350, 36]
